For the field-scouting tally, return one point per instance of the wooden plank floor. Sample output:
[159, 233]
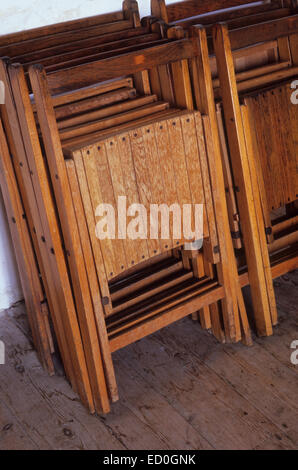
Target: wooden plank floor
[179, 389]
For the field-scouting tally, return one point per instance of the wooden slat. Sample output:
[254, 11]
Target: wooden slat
[262, 32]
[59, 38]
[166, 170]
[188, 8]
[76, 50]
[261, 185]
[93, 116]
[294, 47]
[112, 121]
[137, 250]
[179, 164]
[60, 27]
[85, 141]
[230, 194]
[90, 91]
[143, 181]
[51, 65]
[113, 67]
[81, 172]
[165, 319]
[96, 102]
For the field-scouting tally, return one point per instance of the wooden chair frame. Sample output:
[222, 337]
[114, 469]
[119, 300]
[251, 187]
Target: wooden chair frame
[244, 171]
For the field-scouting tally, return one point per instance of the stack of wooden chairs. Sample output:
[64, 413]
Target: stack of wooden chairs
[107, 108]
[253, 55]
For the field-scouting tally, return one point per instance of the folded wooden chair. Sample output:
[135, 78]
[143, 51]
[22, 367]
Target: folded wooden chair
[262, 173]
[31, 283]
[114, 291]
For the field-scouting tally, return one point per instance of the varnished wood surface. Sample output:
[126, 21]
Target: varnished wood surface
[174, 394]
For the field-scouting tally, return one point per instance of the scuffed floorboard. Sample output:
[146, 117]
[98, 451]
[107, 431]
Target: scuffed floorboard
[179, 389]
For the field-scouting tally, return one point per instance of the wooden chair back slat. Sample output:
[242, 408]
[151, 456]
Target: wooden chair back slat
[177, 11]
[121, 65]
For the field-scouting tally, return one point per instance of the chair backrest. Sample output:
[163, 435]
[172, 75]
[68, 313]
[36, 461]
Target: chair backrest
[274, 124]
[267, 120]
[121, 65]
[173, 133]
[148, 166]
[263, 32]
[186, 9]
[262, 53]
[48, 37]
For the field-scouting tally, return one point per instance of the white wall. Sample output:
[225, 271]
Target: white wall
[17, 15]
[10, 290]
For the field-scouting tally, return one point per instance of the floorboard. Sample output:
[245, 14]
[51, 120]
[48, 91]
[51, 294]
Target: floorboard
[179, 389]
